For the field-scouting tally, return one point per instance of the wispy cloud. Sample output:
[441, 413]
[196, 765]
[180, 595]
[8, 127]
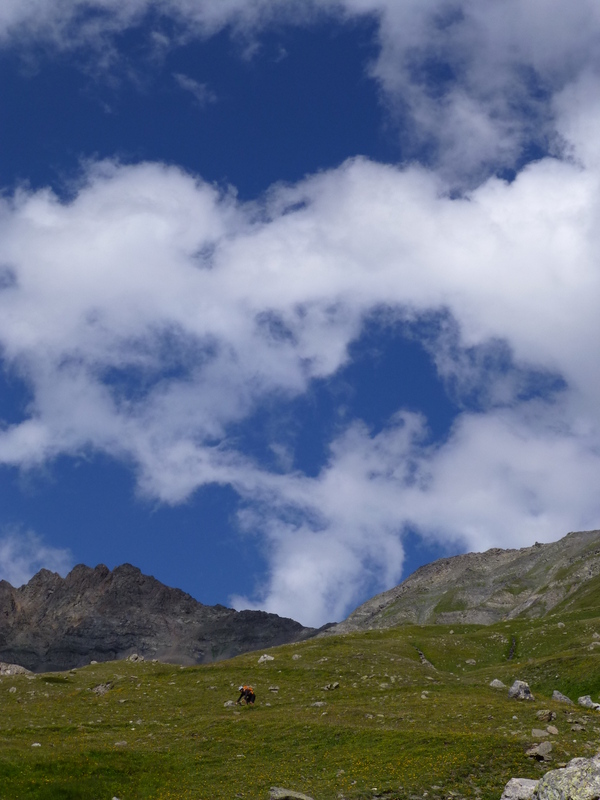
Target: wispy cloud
[200, 91]
[23, 553]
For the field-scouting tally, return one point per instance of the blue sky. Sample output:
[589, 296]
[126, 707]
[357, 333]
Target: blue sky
[296, 296]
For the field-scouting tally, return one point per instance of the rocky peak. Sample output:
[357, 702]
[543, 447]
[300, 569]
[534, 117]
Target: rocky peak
[55, 623]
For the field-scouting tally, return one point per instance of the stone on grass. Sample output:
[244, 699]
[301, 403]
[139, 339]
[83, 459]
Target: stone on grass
[296, 656]
[496, 684]
[13, 669]
[135, 658]
[519, 789]
[540, 751]
[277, 793]
[551, 729]
[520, 691]
[579, 780]
[537, 733]
[587, 702]
[319, 704]
[102, 688]
[264, 658]
[470, 661]
[229, 704]
[545, 715]
[561, 698]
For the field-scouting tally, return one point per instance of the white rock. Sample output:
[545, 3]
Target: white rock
[264, 658]
[496, 684]
[36, 744]
[587, 702]
[519, 789]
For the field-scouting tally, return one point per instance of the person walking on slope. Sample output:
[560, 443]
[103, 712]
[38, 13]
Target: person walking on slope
[246, 694]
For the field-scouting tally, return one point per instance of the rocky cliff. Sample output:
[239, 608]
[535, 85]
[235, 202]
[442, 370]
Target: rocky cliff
[55, 623]
[482, 588]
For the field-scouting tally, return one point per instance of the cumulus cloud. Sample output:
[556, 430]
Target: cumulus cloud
[151, 313]
[23, 553]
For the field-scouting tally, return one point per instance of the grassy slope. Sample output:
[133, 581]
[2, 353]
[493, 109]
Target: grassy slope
[376, 730]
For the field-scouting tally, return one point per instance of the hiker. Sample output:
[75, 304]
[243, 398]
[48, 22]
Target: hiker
[247, 694]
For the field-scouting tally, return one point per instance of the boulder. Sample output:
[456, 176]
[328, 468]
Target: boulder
[278, 793]
[519, 789]
[561, 698]
[496, 684]
[540, 751]
[579, 780]
[520, 691]
[134, 658]
[587, 702]
[265, 658]
[538, 733]
[12, 669]
[545, 715]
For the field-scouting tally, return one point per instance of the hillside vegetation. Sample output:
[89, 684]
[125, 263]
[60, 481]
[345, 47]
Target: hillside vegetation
[396, 727]
[483, 588]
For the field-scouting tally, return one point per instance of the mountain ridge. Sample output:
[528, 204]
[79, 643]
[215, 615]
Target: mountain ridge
[55, 623]
[483, 588]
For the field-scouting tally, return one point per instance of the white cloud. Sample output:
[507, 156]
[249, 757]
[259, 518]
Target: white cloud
[472, 82]
[200, 91]
[151, 312]
[23, 553]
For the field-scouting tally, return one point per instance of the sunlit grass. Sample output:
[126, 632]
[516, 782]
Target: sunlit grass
[394, 727]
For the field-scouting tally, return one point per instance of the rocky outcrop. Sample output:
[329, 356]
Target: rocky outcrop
[55, 623]
[483, 588]
[579, 780]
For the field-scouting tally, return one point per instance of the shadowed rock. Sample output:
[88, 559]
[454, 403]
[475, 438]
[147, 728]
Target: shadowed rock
[55, 623]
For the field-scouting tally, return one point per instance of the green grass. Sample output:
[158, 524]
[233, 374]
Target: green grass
[395, 728]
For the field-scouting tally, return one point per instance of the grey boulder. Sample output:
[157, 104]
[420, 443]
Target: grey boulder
[520, 691]
[519, 789]
[587, 702]
[561, 698]
[579, 780]
[277, 793]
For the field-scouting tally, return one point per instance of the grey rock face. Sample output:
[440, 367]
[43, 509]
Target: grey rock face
[55, 623]
[519, 789]
[520, 691]
[483, 588]
[579, 780]
[561, 698]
